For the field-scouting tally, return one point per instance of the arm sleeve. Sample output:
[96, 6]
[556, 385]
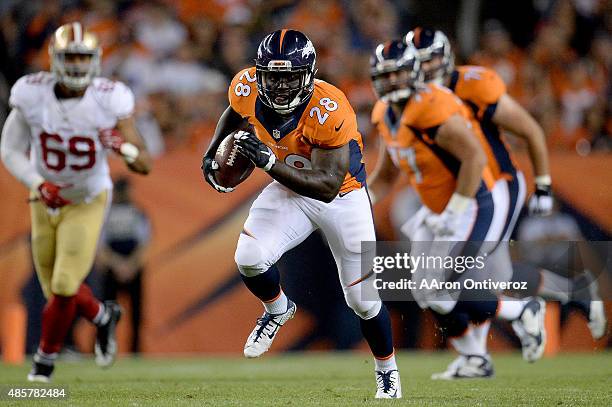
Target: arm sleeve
[14, 148]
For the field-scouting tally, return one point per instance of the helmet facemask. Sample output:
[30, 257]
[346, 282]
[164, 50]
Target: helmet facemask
[75, 70]
[75, 56]
[437, 61]
[436, 65]
[283, 87]
[394, 80]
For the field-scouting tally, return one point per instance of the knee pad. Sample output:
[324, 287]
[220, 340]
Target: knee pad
[365, 309]
[250, 257]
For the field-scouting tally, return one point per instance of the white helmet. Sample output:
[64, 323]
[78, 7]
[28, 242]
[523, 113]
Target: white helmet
[72, 39]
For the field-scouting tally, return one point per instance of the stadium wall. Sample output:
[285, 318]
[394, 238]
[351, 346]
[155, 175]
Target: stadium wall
[191, 284]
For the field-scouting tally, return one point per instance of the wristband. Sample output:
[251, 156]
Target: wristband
[129, 152]
[458, 203]
[270, 163]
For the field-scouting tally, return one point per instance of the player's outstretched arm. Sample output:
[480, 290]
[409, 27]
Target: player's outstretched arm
[138, 161]
[323, 181]
[511, 116]
[14, 146]
[384, 175]
[456, 137]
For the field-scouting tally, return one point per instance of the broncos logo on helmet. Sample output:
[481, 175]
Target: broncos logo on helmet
[285, 70]
[434, 52]
[395, 71]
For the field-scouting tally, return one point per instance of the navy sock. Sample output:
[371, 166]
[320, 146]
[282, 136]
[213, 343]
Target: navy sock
[454, 324]
[479, 306]
[377, 332]
[265, 286]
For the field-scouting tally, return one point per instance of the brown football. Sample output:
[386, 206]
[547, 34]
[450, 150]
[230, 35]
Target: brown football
[234, 167]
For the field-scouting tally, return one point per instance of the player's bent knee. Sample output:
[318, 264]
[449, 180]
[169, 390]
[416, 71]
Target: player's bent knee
[250, 257]
[65, 287]
[365, 309]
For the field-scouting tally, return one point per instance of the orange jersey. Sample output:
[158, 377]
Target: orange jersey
[410, 141]
[480, 89]
[326, 121]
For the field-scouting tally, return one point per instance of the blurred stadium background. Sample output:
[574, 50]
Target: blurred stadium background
[179, 56]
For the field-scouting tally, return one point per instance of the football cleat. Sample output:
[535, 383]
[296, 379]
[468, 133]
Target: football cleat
[260, 340]
[529, 327]
[467, 367]
[388, 384]
[41, 372]
[106, 341]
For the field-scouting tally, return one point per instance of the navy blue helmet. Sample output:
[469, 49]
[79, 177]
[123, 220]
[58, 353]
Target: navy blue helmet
[395, 71]
[285, 68]
[434, 53]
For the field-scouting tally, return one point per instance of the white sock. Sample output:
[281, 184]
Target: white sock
[468, 344]
[278, 305]
[510, 309]
[385, 364]
[480, 334]
[102, 316]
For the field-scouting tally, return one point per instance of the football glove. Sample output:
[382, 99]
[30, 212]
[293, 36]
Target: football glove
[541, 202]
[445, 224]
[209, 166]
[112, 139]
[256, 151]
[49, 193]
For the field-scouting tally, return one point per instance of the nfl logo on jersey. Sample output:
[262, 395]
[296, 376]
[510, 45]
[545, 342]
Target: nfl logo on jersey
[276, 134]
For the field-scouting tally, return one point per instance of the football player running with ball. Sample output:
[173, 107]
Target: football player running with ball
[67, 119]
[305, 137]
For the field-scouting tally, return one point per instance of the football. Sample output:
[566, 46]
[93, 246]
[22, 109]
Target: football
[234, 167]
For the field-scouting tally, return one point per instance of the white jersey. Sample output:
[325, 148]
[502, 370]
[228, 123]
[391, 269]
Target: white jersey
[64, 144]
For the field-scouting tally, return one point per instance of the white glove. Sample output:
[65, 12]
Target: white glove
[411, 227]
[541, 202]
[446, 223]
[214, 166]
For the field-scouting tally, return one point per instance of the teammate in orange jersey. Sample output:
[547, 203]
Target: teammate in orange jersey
[65, 121]
[306, 138]
[428, 133]
[496, 111]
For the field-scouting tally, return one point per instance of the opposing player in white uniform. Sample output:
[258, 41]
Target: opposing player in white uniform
[67, 120]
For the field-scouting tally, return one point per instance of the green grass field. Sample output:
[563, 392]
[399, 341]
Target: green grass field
[325, 379]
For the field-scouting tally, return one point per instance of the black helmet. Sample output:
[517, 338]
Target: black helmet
[395, 57]
[285, 68]
[432, 43]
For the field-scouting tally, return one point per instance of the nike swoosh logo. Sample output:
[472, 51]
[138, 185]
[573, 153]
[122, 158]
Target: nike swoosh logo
[338, 127]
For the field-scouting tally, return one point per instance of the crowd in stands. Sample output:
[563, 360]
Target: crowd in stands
[179, 56]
